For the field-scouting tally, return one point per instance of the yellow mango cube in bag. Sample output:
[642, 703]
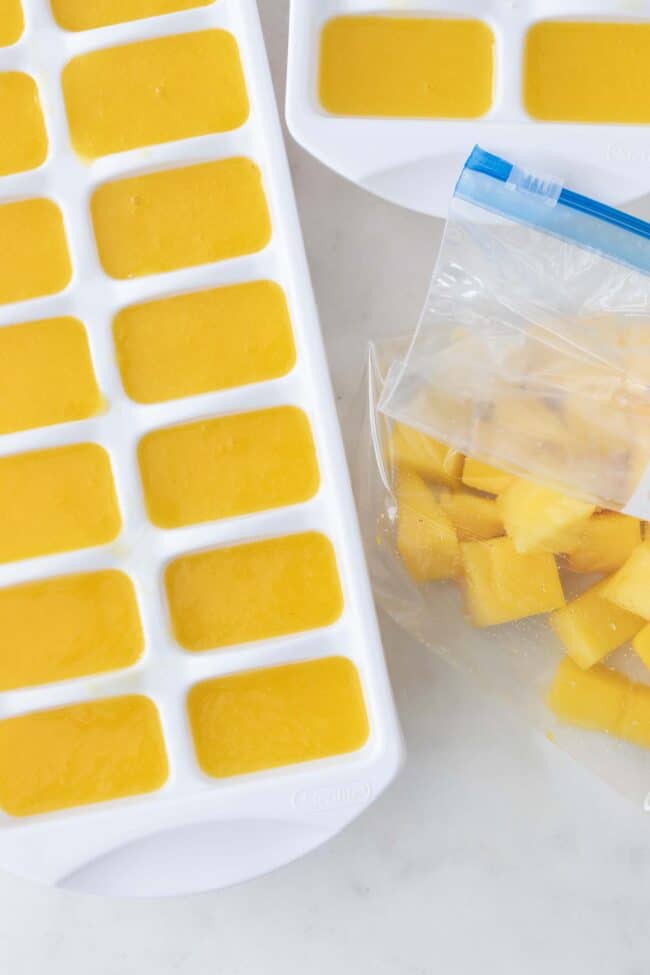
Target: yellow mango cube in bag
[539, 519]
[484, 477]
[434, 461]
[593, 699]
[426, 539]
[502, 584]
[473, 517]
[635, 723]
[607, 540]
[599, 699]
[641, 644]
[590, 626]
[629, 588]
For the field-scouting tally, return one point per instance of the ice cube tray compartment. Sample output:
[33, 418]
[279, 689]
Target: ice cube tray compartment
[415, 161]
[302, 804]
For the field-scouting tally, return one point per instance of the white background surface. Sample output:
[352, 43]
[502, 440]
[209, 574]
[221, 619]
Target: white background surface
[493, 852]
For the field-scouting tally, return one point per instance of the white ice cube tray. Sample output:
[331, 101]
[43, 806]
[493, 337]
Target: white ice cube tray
[195, 833]
[416, 162]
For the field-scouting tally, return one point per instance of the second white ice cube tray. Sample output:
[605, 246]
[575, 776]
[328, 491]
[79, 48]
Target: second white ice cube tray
[415, 162]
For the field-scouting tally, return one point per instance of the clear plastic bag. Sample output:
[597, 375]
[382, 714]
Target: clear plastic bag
[516, 662]
[533, 349]
[503, 448]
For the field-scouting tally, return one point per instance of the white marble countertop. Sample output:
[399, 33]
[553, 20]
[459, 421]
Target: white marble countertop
[493, 852]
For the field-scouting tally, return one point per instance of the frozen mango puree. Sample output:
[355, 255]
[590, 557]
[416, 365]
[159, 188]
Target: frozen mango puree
[263, 719]
[86, 14]
[23, 140]
[11, 22]
[154, 91]
[59, 628]
[46, 375]
[253, 592]
[177, 218]
[203, 341]
[34, 259]
[426, 67]
[227, 466]
[576, 71]
[80, 754]
[56, 500]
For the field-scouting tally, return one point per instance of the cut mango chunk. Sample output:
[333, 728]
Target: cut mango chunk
[590, 626]
[630, 586]
[484, 477]
[426, 538]
[432, 460]
[635, 723]
[538, 519]
[593, 699]
[503, 584]
[56, 500]
[23, 140]
[11, 22]
[46, 375]
[203, 341]
[228, 466]
[154, 91]
[606, 541]
[80, 754]
[87, 14]
[65, 627]
[176, 218]
[601, 700]
[34, 258]
[473, 517]
[253, 592]
[641, 644]
[263, 719]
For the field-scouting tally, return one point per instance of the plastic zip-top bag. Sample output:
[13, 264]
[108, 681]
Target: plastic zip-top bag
[533, 349]
[502, 492]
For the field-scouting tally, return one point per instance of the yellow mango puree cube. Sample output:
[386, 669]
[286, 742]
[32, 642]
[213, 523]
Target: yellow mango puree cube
[484, 477]
[83, 753]
[157, 90]
[590, 626]
[11, 22]
[432, 460]
[426, 539]
[78, 15]
[538, 519]
[629, 588]
[267, 718]
[472, 516]
[23, 139]
[641, 644]
[607, 540]
[503, 584]
[593, 699]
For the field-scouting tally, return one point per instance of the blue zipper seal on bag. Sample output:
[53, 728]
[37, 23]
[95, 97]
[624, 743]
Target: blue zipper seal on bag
[497, 185]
